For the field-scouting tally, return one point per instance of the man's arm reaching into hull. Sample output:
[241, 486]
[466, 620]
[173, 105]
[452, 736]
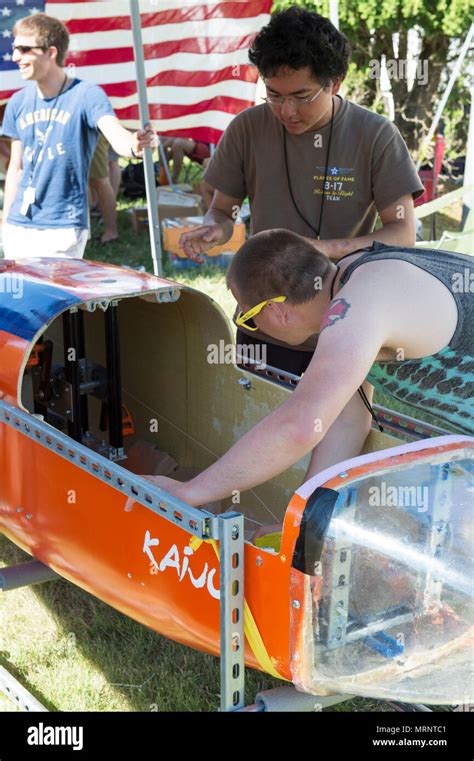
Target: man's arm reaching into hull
[345, 353]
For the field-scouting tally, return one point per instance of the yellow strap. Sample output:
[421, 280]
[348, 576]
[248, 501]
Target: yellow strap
[254, 638]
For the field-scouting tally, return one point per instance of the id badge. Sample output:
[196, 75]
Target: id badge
[29, 196]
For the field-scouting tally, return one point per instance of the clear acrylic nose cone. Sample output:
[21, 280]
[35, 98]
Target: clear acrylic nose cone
[384, 598]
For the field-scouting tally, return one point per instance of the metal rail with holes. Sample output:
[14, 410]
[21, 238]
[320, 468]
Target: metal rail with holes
[228, 529]
[392, 421]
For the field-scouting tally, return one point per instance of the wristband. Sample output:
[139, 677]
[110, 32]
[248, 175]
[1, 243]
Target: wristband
[134, 155]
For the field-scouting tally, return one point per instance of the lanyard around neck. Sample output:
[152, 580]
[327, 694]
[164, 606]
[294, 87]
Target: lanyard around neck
[318, 230]
[34, 159]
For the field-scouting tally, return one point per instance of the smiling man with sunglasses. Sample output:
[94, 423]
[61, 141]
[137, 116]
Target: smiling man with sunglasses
[309, 160]
[53, 123]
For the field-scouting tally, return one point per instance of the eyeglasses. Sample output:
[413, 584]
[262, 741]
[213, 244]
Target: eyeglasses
[242, 319]
[27, 48]
[294, 100]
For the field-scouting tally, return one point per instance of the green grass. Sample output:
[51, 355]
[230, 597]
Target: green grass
[76, 653]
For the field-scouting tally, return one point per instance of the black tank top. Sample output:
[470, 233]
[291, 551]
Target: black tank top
[440, 384]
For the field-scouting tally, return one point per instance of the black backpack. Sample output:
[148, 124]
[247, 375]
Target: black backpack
[133, 179]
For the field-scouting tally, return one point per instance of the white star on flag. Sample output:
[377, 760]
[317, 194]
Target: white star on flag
[6, 11]
[34, 10]
[20, 2]
[7, 57]
[6, 33]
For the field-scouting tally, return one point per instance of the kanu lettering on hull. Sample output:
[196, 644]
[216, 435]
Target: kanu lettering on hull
[42, 735]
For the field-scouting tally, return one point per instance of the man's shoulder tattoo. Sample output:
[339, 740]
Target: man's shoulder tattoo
[336, 311]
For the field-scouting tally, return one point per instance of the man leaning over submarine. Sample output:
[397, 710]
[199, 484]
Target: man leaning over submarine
[399, 319]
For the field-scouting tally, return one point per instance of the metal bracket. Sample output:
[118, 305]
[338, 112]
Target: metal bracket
[430, 587]
[231, 537]
[335, 611]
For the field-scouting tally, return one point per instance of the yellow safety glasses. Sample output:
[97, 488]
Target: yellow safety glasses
[242, 319]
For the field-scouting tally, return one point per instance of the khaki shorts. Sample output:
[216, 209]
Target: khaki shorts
[28, 242]
[100, 160]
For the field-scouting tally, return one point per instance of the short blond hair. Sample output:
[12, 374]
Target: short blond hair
[277, 263]
[49, 32]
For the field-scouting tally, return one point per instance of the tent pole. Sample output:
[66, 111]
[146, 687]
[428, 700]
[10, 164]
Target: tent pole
[468, 198]
[439, 111]
[149, 170]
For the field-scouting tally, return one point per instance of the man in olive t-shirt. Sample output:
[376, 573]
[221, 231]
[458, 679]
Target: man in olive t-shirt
[369, 168]
[309, 160]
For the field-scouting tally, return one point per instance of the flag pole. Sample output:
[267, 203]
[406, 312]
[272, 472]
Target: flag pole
[149, 170]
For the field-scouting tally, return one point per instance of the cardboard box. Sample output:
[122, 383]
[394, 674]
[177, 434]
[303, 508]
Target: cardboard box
[174, 228]
[178, 203]
[171, 203]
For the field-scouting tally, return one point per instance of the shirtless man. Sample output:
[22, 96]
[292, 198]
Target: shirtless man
[397, 318]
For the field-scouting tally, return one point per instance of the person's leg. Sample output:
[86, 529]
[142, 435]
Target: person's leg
[108, 206]
[115, 173]
[115, 176]
[4, 155]
[77, 248]
[100, 185]
[181, 147]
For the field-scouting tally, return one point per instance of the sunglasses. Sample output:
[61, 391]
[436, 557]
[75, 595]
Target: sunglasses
[243, 319]
[27, 48]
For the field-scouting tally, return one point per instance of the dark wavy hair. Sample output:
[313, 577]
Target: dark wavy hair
[297, 38]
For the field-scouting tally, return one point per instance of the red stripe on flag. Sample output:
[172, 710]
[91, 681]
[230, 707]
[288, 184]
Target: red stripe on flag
[231, 10]
[168, 111]
[200, 45]
[203, 134]
[177, 78]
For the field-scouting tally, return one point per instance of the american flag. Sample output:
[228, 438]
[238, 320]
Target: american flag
[196, 57]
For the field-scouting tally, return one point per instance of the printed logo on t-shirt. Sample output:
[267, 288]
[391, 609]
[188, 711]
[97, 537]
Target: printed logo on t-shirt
[41, 136]
[338, 183]
[43, 115]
